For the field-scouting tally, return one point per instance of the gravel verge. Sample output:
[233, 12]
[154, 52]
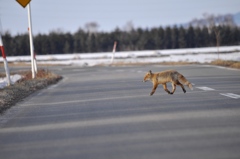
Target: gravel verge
[10, 95]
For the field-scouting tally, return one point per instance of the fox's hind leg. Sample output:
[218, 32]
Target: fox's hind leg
[165, 88]
[173, 88]
[178, 83]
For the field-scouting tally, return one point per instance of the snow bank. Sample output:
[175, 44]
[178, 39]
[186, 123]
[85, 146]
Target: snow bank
[201, 55]
[13, 78]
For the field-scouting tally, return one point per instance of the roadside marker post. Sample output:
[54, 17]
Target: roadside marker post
[114, 50]
[5, 61]
[35, 62]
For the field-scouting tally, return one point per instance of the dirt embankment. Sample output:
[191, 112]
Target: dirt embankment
[12, 94]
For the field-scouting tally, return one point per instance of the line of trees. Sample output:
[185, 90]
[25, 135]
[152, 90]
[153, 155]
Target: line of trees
[82, 41]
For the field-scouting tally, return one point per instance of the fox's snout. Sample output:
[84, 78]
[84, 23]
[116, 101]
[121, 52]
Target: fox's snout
[145, 80]
[146, 77]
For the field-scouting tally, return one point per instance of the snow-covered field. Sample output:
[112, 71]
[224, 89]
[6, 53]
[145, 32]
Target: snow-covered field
[201, 55]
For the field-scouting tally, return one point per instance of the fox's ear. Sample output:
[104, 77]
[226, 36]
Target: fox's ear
[150, 71]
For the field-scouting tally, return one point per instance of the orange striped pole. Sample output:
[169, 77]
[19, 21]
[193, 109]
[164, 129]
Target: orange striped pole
[5, 61]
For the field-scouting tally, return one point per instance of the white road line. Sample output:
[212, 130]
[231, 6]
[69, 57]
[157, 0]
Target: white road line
[206, 88]
[98, 99]
[85, 100]
[39, 93]
[53, 86]
[231, 95]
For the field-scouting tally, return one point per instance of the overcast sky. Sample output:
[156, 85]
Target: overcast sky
[70, 15]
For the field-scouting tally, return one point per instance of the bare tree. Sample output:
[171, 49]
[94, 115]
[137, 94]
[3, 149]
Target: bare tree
[129, 26]
[92, 27]
[215, 22]
[213, 25]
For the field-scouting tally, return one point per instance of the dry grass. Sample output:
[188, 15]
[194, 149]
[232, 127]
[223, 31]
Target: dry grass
[178, 63]
[147, 63]
[231, 64]
[40, 74]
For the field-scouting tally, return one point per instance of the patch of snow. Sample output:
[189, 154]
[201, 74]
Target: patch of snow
[13, 78]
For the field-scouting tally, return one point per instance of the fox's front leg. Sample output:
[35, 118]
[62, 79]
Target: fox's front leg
[165, 88]
[155, 85]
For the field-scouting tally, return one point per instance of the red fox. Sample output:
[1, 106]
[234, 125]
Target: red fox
[167, 76]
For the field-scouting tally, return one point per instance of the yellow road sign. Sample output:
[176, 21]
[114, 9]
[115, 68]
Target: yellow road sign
[23, 3]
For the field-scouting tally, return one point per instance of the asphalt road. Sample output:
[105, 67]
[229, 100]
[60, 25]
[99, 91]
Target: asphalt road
[107, 113]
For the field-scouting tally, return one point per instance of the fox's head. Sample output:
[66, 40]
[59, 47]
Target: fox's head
[148, 76]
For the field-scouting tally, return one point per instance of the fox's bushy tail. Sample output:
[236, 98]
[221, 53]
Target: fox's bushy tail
[184, 81]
